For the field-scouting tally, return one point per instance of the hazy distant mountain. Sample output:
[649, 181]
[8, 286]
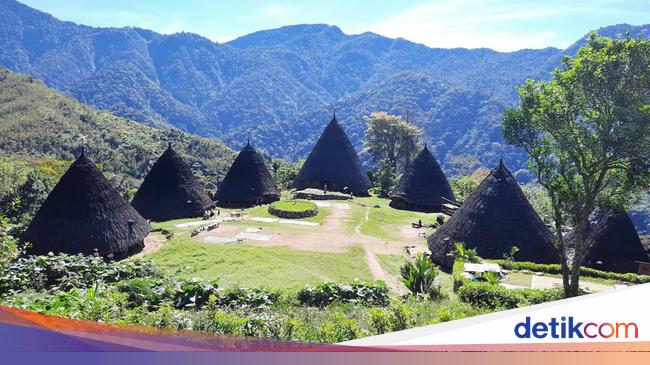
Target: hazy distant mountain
[279, 87]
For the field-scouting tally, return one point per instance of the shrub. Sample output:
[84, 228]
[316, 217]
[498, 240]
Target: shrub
[486, 295]
[490, 296]
[420, 276]
[465, 254]
[339, 329]
[144, 292]
[195, 293]
[64, 272]
[294, 209]
[324, 294]
[242, 298]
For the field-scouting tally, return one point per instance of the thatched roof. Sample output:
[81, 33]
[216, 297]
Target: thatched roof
[333, 162]
[422, 186]
[171, 191]
[84, 213]
[612, 242]
[248, 182]
[496, 217]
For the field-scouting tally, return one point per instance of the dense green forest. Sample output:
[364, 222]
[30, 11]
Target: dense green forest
[38, 123]
[279, 87]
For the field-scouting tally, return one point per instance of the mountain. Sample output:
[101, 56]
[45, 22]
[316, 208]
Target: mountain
[279, 87]
[38, 122]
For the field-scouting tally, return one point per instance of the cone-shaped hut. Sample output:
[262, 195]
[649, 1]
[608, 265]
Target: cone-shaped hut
[612, 242]
[171, 191]
[422, 186]
[84, 213]
[333, 164]
[496, 217]
[248, 182]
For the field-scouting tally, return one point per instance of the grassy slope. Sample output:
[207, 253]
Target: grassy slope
[385, 222]
[38, 122]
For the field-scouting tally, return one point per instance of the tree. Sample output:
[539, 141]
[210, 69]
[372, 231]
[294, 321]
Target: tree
[386, 178]
[587, 133]
[389, 137]
[464, 186]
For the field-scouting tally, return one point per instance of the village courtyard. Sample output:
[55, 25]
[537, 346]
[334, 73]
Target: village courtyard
[360, 238]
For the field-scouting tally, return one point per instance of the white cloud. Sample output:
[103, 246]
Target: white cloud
[474, 24]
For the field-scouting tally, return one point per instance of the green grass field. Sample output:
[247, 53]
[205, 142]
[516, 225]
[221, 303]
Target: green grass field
[263, 212]
[385, 222]
[294, 205]
[251, 266]
[284, 267]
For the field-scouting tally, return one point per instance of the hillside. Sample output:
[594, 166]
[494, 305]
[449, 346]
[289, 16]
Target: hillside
[280, 86]
[38, 122]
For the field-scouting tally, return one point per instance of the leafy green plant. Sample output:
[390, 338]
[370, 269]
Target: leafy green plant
[465, 254]
[491, 278]
[65, 272]
[486, 295]
[359, 292]
[242, 298]
[195, 293]
[420, 276]
[491, 296]
[510, 256]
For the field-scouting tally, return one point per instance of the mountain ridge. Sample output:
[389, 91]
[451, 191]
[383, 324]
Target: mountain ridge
[278, 87]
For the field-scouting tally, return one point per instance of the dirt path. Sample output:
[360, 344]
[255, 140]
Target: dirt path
[371, 260]
[152, 243]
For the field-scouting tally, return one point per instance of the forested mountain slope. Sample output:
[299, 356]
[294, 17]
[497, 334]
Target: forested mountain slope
[280, 86]
[38, 122]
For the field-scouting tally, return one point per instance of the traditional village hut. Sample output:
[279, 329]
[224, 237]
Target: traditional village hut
[248, 182]
[171, 191]
[84, 213]
[612, 242]
[333, 165]
[423, 186]
[495, 218]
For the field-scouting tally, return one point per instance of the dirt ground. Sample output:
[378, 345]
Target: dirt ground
[152, 243]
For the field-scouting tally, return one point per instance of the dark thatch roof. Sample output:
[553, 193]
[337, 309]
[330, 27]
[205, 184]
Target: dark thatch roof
[84, 213]
[333, 161]
[422, 186]
[171, 191]
[248, 182]
[496, 217]
[612, 242]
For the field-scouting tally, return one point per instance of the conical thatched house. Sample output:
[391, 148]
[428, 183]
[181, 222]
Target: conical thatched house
[422, 186]
[247, 183]
[496, 217]
[171, 191]
[612, 242]
[84, 213]
[333, 164]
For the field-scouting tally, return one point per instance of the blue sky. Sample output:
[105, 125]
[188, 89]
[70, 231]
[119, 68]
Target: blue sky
[503, 25]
